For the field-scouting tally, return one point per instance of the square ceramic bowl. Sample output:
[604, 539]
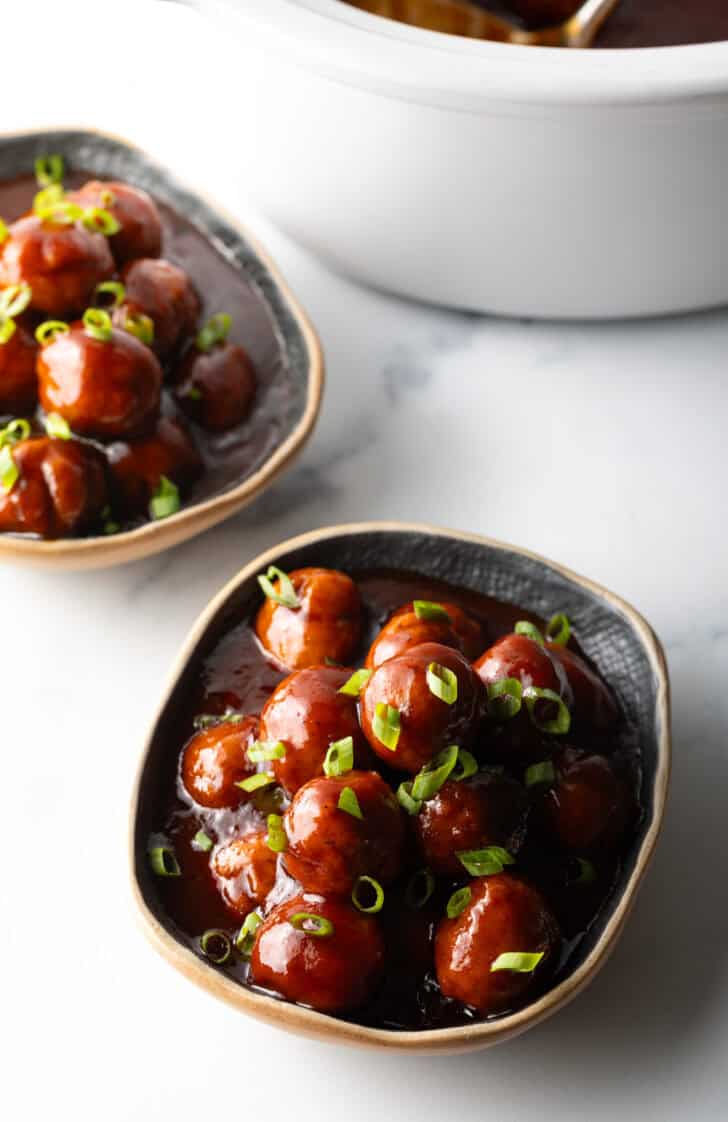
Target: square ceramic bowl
[290, 353]
[617, 639]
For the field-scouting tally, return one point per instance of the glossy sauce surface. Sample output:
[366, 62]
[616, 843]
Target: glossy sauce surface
[238, 675]
[228, 457]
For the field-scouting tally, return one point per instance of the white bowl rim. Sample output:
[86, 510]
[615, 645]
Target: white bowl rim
[359, 48]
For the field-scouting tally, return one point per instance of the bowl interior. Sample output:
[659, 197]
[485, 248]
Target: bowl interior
[616, 639]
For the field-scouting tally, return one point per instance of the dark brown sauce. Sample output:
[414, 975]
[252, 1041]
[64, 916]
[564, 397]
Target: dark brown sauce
[237, 674]
[229, 457]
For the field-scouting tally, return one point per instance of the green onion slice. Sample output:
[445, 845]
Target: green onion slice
[276, 840]
[9, 472]
[442, 682]
[47, 331]
[100, 221]
[340, 757]
[48, 197]
[7, 330]
[542, 772]
[4, 232]
[245, 938]
[60, 213]
[97, 324]
[386, 725]
[431, 777]
[311, 924]
[49, 169]
[520, 962]
[504, 698]
[215, 331]
[164, 862]
[558, 630]
[363, 888]
[419, 888]
[202, 841]
[524, 627]
[426, 609]
[209, 720]
[285, 593]
[458, 902]
[547, 710]
[165, 500]
[465, 766]
[263, 750]
[587, 873]
[113, 289]
[349, 803]
[406, 800]
[141, 327]
[485, 862]
[57, 426]
[216, 946]
[14, 431]
[354, 685]
[14, 300]
[255, 782]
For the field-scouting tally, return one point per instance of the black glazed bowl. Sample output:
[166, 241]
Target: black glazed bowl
[286, 351]
[618, 640]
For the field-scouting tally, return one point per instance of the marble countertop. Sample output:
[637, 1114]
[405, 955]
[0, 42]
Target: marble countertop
[603, 447]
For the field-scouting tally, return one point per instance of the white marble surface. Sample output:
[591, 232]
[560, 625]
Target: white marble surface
[603, 447]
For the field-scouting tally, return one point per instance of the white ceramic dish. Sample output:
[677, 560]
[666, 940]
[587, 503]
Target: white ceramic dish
[517, 180]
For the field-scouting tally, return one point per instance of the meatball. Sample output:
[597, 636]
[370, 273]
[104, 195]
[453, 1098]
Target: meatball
[587, 807]
[60, 488]
[18, 381]
[594, 702]
[307, 713]
[162, 291]
[488, 809]
[216, 388]
[137, 466]
[215, 759]
[62, 262]
[140, 233]
[103, 386]
[405, 629]
[522, 658]
[504, 915]
[331, 963]
[326, 622]
[403, 688]
[329, 848]
[245, 871]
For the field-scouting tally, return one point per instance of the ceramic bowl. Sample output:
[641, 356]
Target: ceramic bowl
[293, 341]
[619, 641]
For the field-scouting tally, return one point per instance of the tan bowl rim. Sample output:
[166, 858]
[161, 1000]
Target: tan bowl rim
[136, 543]
[308, 1022]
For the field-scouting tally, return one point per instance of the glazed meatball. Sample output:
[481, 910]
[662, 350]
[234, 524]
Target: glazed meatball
[326, 623]
[102, 387]
[405, 629]
[18, 381]
[427, 724]
[587, 807]
[488, 809]
[140, 233]
[216, 387]
[522, 658]
[594, 702]
[137, 466]
[162, 291]
[307, 713]
[329, 847]
[60, 488]
[245, 871]
[61, 262]
[215, 759]
[333, 969]
[504, 915]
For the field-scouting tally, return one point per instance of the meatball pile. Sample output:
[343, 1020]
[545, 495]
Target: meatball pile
[417, 814]
[103, 364]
